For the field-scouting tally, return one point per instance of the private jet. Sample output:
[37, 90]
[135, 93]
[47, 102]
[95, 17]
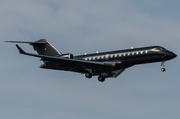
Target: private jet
[104, 65]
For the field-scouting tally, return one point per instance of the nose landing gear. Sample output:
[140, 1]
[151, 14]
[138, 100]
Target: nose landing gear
[163, 64]
[163, 69]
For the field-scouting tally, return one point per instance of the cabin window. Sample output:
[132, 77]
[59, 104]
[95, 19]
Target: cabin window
[98, 57]
[128, 53]
[132, 53]
[107, 56]
[89, 58]
[115, 55]
[119, 55]
[146, 51]
[111, 56]
[94, 58]
[102, 57]
[124, 54]
[137, 53]
[85, 58]
[141, 52]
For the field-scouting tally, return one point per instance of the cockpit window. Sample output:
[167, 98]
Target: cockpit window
[159, 49]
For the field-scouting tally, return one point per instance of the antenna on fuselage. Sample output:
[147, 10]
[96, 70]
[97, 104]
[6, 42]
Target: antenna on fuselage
[85, 53]
[132, 48]
[97, 52]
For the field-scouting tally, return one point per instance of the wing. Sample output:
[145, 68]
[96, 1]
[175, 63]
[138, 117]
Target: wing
[71, 62]
[116, 73]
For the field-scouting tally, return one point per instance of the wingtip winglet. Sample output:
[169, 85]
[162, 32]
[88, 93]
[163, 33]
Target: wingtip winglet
[21, 51]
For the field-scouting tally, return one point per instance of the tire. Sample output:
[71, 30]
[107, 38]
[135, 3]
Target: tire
[101, 78]
[88, 75]
[163, 69]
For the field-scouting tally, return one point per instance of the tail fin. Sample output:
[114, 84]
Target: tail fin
[45, 49]
[42, 46]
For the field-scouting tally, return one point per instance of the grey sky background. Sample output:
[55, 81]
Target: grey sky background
[87, 26]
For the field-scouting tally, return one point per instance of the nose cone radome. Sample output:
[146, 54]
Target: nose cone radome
[174, 55]
[170, 55]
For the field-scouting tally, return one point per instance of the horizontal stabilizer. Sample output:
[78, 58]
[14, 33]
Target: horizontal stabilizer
[21, 51]
[39, 42]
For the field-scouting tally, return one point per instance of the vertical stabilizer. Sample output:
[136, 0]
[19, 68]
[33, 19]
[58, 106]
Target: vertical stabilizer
[43, 47]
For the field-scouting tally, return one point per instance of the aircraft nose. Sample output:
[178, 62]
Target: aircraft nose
[174, 55]
[170, 55]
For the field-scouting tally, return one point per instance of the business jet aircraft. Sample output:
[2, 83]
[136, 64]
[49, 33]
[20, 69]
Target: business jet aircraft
[105, 65]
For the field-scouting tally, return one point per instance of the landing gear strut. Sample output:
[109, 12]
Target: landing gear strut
[163, 64]
[101, 78]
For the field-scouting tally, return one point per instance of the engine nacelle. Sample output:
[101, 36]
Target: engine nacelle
[68, 55]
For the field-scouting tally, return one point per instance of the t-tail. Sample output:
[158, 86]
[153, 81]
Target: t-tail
[42, 46]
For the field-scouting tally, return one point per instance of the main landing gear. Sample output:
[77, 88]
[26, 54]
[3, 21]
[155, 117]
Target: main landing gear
[88, 75]
[163, 64]
[101, 78]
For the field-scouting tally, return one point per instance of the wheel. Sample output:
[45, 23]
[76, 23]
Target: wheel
[88, 75]
[101, 78]
[163, 69]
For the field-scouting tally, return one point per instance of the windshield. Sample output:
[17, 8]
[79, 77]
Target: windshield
[159, 49]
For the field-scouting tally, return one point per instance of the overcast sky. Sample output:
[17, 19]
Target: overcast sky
[87, 26]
